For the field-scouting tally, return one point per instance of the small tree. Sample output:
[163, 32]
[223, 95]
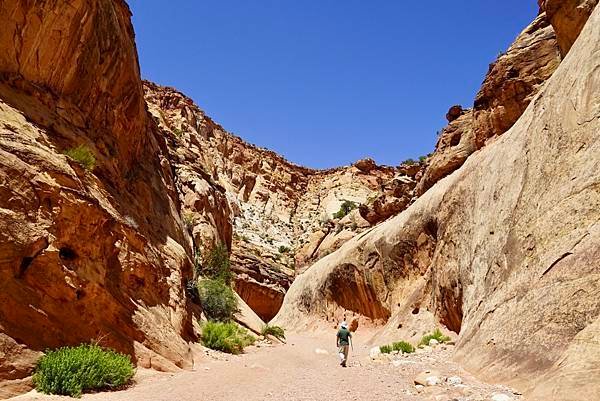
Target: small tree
[217, 299]
[215, 265]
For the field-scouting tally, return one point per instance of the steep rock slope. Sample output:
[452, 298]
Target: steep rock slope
[510, 84]
[503, 251]
[275, 216]
[85, 254]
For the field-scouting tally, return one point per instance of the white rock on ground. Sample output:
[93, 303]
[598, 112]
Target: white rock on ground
[374, 353]
[500, 397]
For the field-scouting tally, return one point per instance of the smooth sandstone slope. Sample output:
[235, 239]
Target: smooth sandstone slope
[84, 255]
[504, 251]
[509, 85]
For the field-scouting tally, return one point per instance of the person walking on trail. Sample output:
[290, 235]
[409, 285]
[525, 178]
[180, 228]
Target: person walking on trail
[344, 339]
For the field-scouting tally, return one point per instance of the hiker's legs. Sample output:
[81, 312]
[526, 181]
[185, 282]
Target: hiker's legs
[345, 351]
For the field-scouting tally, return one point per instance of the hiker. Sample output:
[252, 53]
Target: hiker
[344, 339]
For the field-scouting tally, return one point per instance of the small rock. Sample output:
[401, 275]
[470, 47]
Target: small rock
[454, 380]
[374, 353]
[321, 351]
[433, 342]
[500, 397]
[428, 378]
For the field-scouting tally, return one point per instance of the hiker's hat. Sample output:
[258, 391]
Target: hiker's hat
[344, 325]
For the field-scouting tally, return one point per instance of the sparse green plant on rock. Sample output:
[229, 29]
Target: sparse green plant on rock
[73, 370]
[403, 346]
[409, 162]
[226, 337]
[345, 208]
[83, 156]
[275, 331]
[422, 159]
[436, 335]
[385, 349]
[283, 249]
[189, 220]
[217, 299]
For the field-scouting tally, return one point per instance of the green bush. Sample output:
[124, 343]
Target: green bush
[385, 349]
[217, 299]
[275, 331]
[215, 265]
[422, 159]
[73, 370]
[82, 155]
[403, 346]
[436, 335]
[345, 208]
[226, 337]
[283, 249]
[409, 162]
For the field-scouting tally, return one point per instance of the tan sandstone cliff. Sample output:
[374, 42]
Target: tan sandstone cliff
[503, 251]
[84, 255]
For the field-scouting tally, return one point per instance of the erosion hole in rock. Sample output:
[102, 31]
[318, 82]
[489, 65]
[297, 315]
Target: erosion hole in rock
[66, 253]
[431, 228]
[450, 308]
[455, 140]
[263, 299]
[349, 288]
[25, 263]
[415, 311]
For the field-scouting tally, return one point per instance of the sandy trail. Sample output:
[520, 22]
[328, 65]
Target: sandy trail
[295, 371]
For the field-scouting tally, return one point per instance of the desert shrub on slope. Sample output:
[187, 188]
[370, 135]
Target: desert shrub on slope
[226, 337]
[217, 299]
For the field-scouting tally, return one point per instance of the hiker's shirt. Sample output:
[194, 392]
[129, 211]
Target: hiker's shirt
[343, 336]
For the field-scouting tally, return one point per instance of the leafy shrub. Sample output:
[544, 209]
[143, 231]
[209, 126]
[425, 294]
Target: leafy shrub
[283, 249]
[82, 155]
[215, 265]
[436, 335]
[403, 346]
[73, 370]
[275, 331]
[217, 299]
[422, 159]
[385, 349]
[409, 162]
[345, 208]
[226, 337]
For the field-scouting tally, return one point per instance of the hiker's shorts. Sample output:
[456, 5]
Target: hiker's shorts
[343, 351]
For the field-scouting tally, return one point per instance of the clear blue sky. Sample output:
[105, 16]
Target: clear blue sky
[326, 82]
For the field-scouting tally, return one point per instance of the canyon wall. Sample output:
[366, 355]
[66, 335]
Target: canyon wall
[502, 251]
[275, 216]
[94, 253]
